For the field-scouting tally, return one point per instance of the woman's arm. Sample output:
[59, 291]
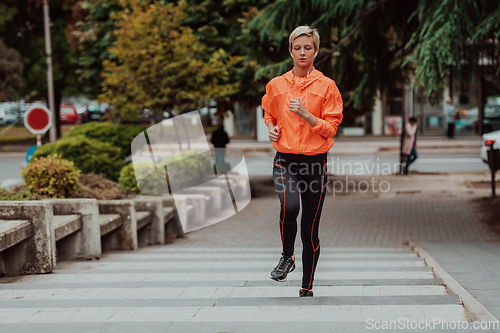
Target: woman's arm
[274, 131]
[269, 118]
[297, 107]
[331, 116]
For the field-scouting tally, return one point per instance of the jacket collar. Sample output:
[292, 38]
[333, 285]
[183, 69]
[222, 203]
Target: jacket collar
[314, 75]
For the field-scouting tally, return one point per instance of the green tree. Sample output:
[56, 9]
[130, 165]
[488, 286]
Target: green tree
[220, 25]
[369, 45]
[91, 34]
[453, 37]
[216, 26]
[362, 44]
[22, 29]
[159, 63]
[11, 68]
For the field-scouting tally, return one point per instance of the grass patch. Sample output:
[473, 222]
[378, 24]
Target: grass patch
[12, 127]
[7, 139]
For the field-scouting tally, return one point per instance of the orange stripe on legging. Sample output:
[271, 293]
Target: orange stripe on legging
[284, 203]
[312, 227]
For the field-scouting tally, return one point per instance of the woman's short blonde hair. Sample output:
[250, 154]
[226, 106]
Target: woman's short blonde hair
[305, 30]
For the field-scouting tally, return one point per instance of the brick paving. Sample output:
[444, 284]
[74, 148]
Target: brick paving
[440, 210]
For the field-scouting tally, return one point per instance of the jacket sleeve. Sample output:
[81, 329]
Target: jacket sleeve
[409, 131]
[268, 105]
[331, 116]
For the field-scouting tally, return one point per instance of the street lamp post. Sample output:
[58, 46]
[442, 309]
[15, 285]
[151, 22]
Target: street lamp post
[50, 80]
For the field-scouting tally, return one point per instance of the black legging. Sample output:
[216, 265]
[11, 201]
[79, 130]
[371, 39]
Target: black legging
[294, 174]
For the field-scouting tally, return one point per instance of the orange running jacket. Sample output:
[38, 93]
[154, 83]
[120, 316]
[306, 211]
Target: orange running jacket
[320, 96]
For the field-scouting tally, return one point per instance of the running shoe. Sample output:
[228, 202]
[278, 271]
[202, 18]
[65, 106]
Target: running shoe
[285, 266]
[303, 292]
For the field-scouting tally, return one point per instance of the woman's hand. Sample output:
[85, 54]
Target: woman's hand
[274, 132]
[298, 108]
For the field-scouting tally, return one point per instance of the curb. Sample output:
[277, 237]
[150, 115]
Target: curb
[474, 309]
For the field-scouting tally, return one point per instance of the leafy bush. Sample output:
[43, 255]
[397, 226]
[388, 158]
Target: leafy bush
[89, 155]
[127, 178]
[153, 183]
[188, 168]
[9, 195]
[182, 172]
[120, 136]
[51, 176]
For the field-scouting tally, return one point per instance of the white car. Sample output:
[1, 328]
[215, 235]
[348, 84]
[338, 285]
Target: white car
[495, 136]
[9, 114]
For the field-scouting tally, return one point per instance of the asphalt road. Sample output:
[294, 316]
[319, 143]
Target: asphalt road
[11, 164]
[385, 164]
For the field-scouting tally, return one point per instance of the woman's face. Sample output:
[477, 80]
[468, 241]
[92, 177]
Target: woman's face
[303, 51]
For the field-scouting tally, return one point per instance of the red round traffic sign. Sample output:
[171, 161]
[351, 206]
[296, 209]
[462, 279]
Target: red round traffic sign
[38, 119]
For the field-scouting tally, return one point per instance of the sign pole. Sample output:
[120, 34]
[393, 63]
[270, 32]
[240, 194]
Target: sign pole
[493, 167]
[38, 120]
[50, 80]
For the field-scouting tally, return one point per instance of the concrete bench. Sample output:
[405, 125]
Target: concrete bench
[225, 194]
[173, 226]
[160, 222]
[191, 212]
[118, 225]
[198, 212]
[13, 232]
[126, 223]
[143, 219]
[240, 186]
[65, 225]
[14, 235]
[109, 223]
[76, 228]
[150, 220]
[35, 234]
[213, 196]
[27, 240]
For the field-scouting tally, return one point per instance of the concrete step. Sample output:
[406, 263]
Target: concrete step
[230, 287]
[222, 292]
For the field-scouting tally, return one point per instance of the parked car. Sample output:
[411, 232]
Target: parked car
[68, 115]
[487, 139]
[491, 121]
[95, 111]
[9, 114]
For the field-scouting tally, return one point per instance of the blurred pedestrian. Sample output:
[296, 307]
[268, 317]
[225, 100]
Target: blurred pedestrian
[410, 143]
[303, 109]
[451, 114]
[219, 139]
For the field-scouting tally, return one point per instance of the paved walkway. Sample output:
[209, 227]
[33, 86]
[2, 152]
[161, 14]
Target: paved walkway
[183, 288]
[475, 265]
[216, 279]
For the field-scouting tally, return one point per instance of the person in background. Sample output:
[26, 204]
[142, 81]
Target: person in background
[451, 113]
[219, 140]
[410, 143]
